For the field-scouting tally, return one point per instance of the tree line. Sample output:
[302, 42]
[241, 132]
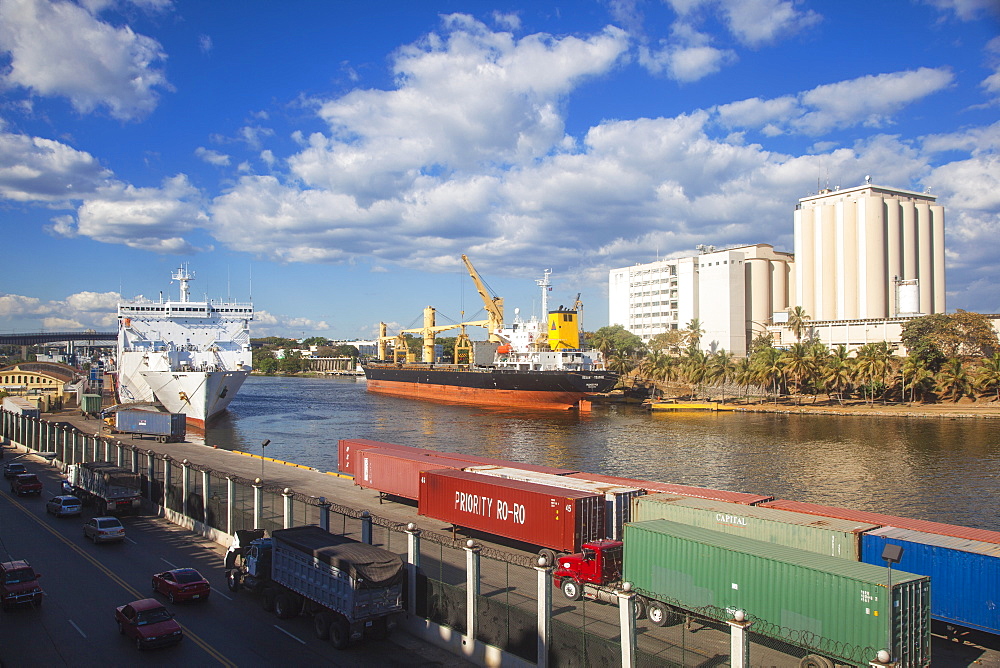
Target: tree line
[949, 357]
[266, 361]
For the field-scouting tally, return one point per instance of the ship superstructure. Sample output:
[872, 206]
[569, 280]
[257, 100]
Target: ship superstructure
[190, 356]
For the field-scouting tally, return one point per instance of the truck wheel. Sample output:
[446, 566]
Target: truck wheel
[267, 598]
[658, 613]
[550, 556]
[640, 607]
[340, 633]
[285, 606]
[233, 580]
[571, 589]
[321, 624]
[815, 661]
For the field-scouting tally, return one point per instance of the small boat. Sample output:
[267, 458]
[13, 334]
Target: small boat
[674, 405]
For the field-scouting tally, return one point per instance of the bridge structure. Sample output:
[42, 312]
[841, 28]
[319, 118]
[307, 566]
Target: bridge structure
[87, 339]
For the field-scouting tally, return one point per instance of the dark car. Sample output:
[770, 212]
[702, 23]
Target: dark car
[26, 483]
[148, 623]
[13, 469]
[19, 585]
[182, 584]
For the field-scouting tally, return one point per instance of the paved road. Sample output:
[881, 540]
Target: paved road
[84, 582]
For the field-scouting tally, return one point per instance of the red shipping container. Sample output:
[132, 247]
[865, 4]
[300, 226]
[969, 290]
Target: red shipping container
[939, 528]
[683, 490]
[549, 517]
[348, 449]
[397, 472]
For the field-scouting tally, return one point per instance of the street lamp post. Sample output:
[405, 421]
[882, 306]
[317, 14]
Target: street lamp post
[262, 446]
[891, 554]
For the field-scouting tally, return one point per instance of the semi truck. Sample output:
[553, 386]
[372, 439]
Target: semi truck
[113, 489]
[350, 589]
[164, 427]
[840, 611]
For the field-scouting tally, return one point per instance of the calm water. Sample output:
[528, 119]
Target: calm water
[935, 469]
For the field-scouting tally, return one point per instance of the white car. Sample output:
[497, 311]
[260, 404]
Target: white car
[64, 506]
[104, 530]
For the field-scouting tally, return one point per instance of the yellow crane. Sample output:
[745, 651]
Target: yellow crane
[492, 303]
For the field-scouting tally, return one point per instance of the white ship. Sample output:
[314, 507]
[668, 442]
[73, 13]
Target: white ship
[191, 357]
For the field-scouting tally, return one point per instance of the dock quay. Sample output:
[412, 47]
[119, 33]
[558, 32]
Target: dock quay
[188, 484]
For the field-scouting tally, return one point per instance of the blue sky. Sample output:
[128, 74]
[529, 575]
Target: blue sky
[333, 160]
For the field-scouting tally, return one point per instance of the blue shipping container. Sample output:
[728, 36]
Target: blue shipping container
[965, 574]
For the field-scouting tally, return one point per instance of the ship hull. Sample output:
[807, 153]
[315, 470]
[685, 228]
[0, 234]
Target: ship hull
[489, 387]
[201, 396]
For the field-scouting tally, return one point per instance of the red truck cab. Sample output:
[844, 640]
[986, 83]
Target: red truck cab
[26, 483]
[599, 563]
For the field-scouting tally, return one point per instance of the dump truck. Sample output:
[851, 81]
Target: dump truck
[113, 489]
[350, 589]
[164, 427]
[840, 611]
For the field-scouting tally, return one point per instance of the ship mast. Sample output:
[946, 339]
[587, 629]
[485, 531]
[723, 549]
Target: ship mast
[544, 284]
[183, 277]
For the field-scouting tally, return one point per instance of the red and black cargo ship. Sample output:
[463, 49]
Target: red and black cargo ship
[532, 388]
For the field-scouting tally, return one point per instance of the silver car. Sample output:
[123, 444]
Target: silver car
[63, 506]
[104, 530]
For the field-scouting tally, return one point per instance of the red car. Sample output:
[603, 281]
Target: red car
[26, 483]
[182, 584]
[148, 623]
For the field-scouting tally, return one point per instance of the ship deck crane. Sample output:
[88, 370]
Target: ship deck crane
[492, 303]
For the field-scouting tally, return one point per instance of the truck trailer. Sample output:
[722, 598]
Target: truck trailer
[836, 609]
[350, 589]
[21, 406]
[113, 489]
[164, 427]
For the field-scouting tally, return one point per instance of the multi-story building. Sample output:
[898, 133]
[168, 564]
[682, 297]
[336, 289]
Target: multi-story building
[865, 257]
[731, 292]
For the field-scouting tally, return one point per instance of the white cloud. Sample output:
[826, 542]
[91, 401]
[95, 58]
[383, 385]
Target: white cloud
[870, 101]
[212, 157]
[61, 49]
[687, 55]
[77, 311]
[966, 10]
[752, 22]
[38, 169]
[148, 218]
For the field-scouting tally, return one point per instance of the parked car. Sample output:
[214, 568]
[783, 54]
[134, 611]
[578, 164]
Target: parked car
[19, 584]
[26, 483]
[148, 623]
[104, 530]
[14, 469]
[182, 584]
[64, 506]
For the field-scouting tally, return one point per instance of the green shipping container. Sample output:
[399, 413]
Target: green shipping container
[813, 533]
[90, 403]
[832, 607]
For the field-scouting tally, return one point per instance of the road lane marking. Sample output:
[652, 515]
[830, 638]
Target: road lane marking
[219, 593]
[290, 635]
[78, 629]
[167, 562]
[211, 651]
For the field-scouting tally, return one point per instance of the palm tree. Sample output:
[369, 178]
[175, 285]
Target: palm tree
[622, 365]
[722, 366]
[836, 372]
[769, 368]
[917, 378]
[953, 380]
[987, 377]
[800, 364]
[744, 375]
[694, 333]
[875, 362]
[798, 320]
[694, 368]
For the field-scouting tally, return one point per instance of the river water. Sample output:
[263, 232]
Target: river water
[946, 470]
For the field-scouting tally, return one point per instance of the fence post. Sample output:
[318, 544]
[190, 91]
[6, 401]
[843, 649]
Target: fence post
[134, 457]
[544, 611]
[185, 486]
[324, 514]
[366, 527]
[626, 620]
[151, 473]
[168, 475]
[230, 499]
[412, 565]
[472, 558]
[258, 504]
[739, 641]
[119, 454]
[289, 520]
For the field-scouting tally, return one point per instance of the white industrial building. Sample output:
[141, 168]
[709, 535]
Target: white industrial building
[865, 256]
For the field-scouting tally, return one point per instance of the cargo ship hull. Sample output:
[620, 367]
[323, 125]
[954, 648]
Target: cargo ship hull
[488, 386]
